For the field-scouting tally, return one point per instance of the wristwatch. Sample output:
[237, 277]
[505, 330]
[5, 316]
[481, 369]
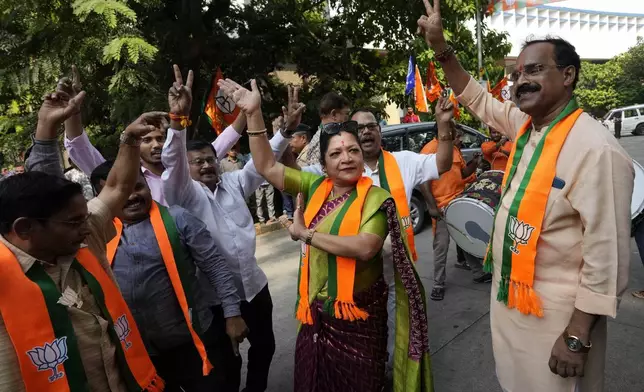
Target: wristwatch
[574, 344]
[130, 140]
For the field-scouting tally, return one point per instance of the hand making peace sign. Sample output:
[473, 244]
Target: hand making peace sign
[180, 95]
[431, 26]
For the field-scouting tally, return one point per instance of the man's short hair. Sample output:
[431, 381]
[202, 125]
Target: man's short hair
[196, 145]
[365, 110]
[305, 130]
[34, 195]
[101, 172]
[333, 101]
[565, 53]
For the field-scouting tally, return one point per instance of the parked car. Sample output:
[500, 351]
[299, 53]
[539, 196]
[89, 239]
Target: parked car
[632, 119]
[413, 137]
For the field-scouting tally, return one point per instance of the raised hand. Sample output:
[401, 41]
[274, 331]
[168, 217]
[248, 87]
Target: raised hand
[180, 94]
[248, 101]
[58, 107]
[297, 229]
[444, 110]
[71, 87]
[293, 111]
[146, 123]
[431, 26]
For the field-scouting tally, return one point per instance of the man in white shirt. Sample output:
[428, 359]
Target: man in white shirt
[415, 169]
[191, 180]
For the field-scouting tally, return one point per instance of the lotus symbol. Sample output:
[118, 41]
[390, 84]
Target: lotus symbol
[49, 356]
[520, 233]
[122, 328]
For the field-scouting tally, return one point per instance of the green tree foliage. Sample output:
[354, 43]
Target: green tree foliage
[124, 50]
[616, 83]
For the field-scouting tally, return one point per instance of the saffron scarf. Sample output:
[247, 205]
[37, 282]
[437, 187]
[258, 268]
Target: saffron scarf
[391, 180]
[527, 210]
[341, 270]
[175, 259]
[43, 336]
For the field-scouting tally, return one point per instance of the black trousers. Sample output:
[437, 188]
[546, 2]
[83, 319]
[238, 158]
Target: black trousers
[258, 315]
[181, 368]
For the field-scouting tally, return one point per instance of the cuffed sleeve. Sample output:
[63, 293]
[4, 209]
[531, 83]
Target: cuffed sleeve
[224, 142]
[84, 155]
[602, 197]
[45, 157]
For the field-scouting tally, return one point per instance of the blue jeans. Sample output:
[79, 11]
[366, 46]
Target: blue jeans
[639, 239]
[287, 201]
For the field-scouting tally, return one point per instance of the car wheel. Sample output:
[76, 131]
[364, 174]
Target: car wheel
[417, 212]
[639, 130]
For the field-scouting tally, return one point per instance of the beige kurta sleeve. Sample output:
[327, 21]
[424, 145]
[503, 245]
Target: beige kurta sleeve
[505, 117]
[601, 195]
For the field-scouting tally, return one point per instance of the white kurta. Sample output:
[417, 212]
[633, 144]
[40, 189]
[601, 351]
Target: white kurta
[583, 252]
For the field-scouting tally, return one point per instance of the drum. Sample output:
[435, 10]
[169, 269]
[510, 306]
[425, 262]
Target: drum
[470, 216]
[637, 202]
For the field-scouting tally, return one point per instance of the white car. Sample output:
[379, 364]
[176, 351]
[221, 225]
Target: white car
[632, 119]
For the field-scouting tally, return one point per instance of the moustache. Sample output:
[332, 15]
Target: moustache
[208, 170]
[528, 88]
[133, 202]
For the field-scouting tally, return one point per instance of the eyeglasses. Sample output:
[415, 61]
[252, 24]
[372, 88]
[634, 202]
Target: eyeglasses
[335, 128]
[200, 161]
[532, 70]
[70, 223]
[373, 127]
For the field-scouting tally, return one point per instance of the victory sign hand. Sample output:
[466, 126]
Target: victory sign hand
[70, 86]
[293, 112]
[180, 95]
[431, 26]
[248, 101]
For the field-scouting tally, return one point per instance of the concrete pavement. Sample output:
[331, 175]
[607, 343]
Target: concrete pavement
[459, 326]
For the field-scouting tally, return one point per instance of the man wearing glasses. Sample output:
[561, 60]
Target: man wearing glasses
[560, 249]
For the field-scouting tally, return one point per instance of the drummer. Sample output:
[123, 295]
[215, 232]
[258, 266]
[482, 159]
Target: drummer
[497, 151]
[438, 194]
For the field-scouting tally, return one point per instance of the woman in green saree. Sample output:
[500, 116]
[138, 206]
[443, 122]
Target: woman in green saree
[342, 296]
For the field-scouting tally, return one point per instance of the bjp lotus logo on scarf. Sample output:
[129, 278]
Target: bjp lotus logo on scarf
[122, 328]
[50, 356]
[520, 232]
[406, 221]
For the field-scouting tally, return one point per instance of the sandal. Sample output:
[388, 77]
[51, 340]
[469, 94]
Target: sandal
[638, 294]
[438, 294]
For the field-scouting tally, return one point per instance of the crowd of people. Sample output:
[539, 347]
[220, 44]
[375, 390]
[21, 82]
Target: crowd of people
[146, 279]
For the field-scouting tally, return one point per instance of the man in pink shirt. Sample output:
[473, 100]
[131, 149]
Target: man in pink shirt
[411, 117]
[87, 157]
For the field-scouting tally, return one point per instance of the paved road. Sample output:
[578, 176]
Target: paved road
[459, 325]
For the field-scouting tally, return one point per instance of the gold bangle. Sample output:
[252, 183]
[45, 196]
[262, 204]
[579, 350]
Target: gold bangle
[260, 132]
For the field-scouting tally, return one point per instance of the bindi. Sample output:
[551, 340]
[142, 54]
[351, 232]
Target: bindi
[342, 141]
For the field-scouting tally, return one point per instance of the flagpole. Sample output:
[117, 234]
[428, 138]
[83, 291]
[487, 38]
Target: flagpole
[479, 40]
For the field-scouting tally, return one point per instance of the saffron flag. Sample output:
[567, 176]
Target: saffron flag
[220, 110]
[421, 98]
[434, 88]
[505, 5]
[411, 79]
[452, 98]
[498, 90]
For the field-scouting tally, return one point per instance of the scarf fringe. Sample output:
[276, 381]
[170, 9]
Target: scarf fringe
[343, 310]
[488, 265]
[524, 299]
[303, 313]
[156, 385]
[502, 295]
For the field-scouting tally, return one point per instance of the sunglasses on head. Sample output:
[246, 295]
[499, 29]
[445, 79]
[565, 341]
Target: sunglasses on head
[335, 128]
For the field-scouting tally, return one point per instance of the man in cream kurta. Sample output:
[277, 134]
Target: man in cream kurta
[583, 251]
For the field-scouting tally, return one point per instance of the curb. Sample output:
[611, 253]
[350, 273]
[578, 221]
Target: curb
[265, 229]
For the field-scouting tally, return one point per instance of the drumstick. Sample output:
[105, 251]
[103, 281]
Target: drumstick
[459, 230]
